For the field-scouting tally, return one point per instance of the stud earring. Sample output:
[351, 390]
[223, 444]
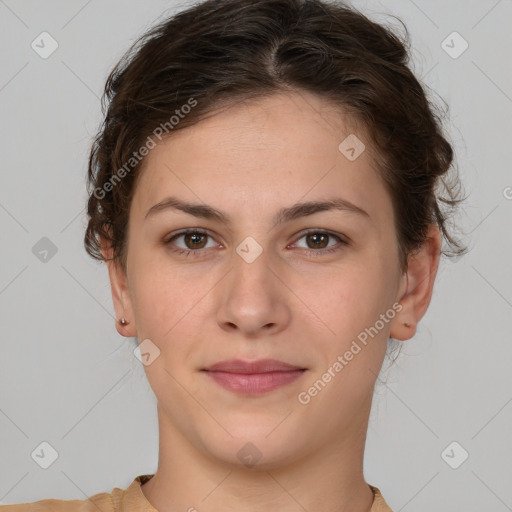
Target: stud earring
[123, 321]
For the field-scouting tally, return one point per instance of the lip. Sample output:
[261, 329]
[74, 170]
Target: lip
[253, 377]
[248, 367]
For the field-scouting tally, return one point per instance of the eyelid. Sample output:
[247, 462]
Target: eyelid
[186, 231]
[343, 240]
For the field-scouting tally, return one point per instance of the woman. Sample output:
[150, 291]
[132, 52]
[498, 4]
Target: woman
[265, 192]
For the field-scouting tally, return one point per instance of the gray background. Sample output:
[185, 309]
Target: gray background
[68, 378]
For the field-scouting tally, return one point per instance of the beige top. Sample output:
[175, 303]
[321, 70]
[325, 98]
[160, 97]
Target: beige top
[131, 499]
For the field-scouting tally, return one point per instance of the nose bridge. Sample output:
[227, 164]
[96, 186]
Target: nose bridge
[251, 272]
[252, 298]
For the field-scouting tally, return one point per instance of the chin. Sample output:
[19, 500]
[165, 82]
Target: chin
[253, 448]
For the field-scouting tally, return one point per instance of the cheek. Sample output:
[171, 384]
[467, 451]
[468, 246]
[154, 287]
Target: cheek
[163, 314]
[151, 298]
[345, 302]
[158, 299]
[169, 305]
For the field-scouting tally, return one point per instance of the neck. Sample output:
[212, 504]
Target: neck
[329, 479]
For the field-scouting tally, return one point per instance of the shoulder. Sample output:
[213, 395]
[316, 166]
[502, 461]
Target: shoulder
[102, 501]
[115, 501]
[379, 504]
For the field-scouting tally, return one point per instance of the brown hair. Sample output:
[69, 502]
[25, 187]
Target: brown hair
[218, 52]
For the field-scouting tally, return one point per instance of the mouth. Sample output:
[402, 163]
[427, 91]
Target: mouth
[253, 377]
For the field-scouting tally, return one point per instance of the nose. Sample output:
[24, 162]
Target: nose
[253, 299]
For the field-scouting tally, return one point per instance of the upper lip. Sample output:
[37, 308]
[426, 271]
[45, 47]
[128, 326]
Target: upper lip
[259, 366]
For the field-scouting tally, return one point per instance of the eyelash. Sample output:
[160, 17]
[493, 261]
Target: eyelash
[311, 252]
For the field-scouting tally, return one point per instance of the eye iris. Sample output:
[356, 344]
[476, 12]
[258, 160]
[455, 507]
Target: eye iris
[198, 240]
[316, 237]
[196, 237]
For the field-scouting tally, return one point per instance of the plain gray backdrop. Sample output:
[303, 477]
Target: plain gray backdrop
[68, 379]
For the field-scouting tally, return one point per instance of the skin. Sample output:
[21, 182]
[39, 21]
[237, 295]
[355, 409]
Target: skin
[250, 161]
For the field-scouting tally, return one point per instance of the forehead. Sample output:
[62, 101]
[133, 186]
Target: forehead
[261, 154]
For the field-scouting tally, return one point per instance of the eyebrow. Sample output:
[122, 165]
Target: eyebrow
[284, 215]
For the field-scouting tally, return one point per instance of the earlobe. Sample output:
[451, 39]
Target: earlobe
[416, 291]
[125, 324]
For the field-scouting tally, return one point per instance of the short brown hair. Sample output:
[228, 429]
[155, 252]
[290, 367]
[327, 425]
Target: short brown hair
[218, 52]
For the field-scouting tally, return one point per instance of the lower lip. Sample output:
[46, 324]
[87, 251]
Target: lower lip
[254, 383]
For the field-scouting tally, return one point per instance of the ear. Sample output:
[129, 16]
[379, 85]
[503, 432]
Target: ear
[120, 292]
[416, 287]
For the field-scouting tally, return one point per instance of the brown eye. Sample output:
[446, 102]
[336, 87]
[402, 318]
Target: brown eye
[195, 240]
[190, 241]
[317, 240]
[318, 243]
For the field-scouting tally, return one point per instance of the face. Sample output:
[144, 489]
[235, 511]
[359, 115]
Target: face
[260, 277]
